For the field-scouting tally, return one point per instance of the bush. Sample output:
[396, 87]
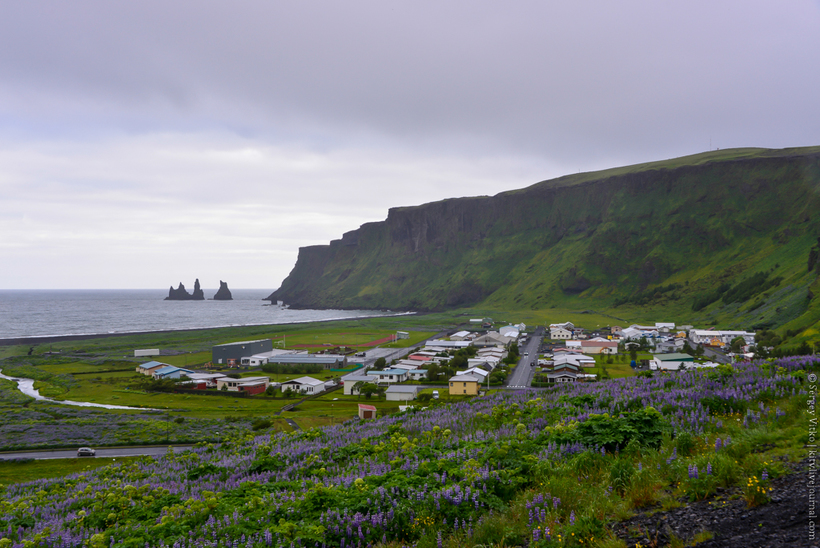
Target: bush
[261, 424]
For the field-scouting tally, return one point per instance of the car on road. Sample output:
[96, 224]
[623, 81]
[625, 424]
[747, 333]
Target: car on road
[86, 452]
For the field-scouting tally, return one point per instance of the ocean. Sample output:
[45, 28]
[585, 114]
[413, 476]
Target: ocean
[44, 313]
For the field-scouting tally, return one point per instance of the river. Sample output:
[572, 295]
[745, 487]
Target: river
[26, 386]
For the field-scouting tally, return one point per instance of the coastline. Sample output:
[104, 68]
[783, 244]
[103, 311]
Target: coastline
[44, 339]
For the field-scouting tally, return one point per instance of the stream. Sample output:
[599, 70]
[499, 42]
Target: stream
[26, 386]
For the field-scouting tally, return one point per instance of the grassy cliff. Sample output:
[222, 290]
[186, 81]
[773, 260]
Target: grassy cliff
[724, 237]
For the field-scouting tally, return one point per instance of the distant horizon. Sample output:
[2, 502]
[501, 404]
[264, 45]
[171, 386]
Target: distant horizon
[203, 287]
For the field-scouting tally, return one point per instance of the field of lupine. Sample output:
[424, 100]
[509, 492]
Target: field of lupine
[528, 468]
[44, 424]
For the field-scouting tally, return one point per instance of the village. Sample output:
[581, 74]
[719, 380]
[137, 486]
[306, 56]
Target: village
[461, 363]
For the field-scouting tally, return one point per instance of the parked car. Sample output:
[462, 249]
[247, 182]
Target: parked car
[86, 452]
[435, 394]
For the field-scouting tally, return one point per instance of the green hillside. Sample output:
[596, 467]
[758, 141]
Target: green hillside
[724, 238]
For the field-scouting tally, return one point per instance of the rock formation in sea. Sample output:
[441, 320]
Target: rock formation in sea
[224, 294]
[181, 294]
[198, 295]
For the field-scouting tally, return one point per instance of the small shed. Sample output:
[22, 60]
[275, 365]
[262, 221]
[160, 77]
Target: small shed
[367, 411]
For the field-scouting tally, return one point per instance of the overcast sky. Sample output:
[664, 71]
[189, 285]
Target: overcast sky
[143, 144]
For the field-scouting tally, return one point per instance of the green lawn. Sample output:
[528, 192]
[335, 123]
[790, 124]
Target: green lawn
[619, 368]
[19, 472]
[189, 359]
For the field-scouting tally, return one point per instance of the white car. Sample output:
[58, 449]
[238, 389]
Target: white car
[435, 394]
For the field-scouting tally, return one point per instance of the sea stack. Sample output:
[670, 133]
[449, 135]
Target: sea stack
[181, 294]
[198, 295]
[224, 294]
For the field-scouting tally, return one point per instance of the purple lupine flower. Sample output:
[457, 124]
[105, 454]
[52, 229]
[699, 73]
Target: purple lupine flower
[709, 468]
[572, 517]
[765, 475]
[718, 444]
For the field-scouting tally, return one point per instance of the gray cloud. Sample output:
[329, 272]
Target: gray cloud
[242, 131]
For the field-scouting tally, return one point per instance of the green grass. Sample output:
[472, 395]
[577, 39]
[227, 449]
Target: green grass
[185, 360]
[619, 368]
[20, 472]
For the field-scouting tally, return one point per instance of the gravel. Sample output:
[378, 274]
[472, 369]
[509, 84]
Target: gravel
[783, 522]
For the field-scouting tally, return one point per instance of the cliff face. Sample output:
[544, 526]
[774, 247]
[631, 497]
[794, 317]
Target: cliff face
[581, 240]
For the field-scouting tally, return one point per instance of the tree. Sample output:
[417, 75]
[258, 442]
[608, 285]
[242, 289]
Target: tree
[369, 390]
[737, 344]
[357, 388]
[380, 363]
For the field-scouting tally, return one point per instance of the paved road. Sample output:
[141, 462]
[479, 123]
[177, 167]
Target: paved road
[110, 452]
[715, 355]
[521, 376]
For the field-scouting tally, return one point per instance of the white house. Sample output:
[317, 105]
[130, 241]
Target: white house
[305, 385]
[417, 374]
[389, 375]
[460, 336]
[511, 331]
[350, 383]
[208, 378]
[671, 362]
[599, 346]
[575, 359]
[236, 385]
[560, 333]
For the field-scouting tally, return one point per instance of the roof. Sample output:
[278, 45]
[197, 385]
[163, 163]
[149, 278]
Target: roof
[152, 365]
[241, 342]
[598, 342]
[366, 407]
[402, 388]
[389, 372]
[310, 381]
[246, 380]
[170, 369]
[357, 378]
[206, 376]
[674, 357]
[465, 378]
[306, 358]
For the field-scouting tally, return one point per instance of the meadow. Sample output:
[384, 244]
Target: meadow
[554, 467]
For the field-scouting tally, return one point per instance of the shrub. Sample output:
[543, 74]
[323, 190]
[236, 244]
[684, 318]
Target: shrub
[261, 424]
[685, 442]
